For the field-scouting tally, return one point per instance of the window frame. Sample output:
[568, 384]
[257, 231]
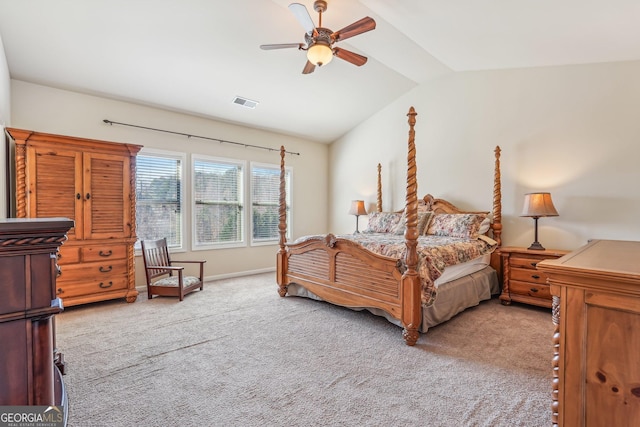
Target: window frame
[181, 158]
[195, 246]
[289, 202]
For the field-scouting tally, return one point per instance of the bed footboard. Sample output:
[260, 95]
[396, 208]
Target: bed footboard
[342, 272]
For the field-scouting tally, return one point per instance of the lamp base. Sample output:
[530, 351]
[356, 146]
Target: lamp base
[536, 246]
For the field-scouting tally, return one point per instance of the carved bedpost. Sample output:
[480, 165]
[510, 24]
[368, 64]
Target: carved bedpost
[20, 139]
[281, 262]
[379, 205]
[411, 301]
[555, 362]
[497, 200]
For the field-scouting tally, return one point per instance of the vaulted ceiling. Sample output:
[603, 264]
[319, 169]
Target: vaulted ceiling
[196, 56]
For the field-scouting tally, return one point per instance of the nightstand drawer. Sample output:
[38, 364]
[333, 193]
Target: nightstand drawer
[533, 276]
[531, 289]
[529, 262]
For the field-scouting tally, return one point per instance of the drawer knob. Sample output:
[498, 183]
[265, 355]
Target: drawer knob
[105, 254]
[533, 290]
[59, 291]
[535, 276]
[534, 264]
[106, 270]
[108, 285]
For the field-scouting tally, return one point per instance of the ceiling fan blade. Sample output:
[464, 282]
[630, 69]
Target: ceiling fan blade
[302, 15]
[349, 56]
[359, 27]
[281, 46]
[308, 68]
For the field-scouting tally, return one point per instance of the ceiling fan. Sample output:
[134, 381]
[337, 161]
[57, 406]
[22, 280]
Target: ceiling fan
[320, 40]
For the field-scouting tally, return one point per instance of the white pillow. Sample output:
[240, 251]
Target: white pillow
[485, 225]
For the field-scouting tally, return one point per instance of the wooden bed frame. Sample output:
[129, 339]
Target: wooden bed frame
[344, 273]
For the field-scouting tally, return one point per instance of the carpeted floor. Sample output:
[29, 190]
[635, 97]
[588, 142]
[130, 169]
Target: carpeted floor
[236, 354]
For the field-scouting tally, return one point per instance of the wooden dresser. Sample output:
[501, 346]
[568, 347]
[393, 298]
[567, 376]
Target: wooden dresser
[521, 282]
[93, 183]
[28, 372]
[596, 312]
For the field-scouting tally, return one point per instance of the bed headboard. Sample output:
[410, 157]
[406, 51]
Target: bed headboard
[443, 206]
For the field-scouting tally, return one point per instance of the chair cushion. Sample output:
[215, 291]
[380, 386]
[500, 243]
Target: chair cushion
[172, 281]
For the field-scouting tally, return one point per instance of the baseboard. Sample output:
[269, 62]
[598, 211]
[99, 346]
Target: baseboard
[239, 274]
[143, 288]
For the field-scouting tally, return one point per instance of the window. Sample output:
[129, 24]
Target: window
[218, 195]
[159, 194]
[265, 196]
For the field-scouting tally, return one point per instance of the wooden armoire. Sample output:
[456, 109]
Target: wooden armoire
[93, 183]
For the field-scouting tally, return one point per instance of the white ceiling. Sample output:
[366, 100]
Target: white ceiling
[195, 56]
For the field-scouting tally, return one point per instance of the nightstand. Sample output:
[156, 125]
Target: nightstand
[522, 282]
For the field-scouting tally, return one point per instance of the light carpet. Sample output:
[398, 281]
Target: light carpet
[237, 354]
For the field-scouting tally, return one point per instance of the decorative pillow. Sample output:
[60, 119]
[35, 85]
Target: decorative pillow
[464, 226]
[423, 220]
[485, 225]
[383, 222]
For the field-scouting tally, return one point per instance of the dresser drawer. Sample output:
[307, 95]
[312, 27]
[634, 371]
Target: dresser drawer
[90, 287]
[68, 255]
[103, 252]
[92, 270]
[524, 275]
[536, 290]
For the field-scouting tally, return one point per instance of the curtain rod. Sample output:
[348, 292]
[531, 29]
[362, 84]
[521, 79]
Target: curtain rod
[222, 141]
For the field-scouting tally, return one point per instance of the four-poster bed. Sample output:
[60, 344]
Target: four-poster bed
[383, 272]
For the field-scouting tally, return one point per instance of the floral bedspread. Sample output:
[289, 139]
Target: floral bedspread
[434, 254]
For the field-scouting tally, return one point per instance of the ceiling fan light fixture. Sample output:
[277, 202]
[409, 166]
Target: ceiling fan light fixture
[320, 53]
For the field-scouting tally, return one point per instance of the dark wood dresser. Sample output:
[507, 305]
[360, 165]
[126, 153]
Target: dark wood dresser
[28, 271]
[596, 313]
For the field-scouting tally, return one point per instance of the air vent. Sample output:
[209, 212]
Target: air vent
[245, 102]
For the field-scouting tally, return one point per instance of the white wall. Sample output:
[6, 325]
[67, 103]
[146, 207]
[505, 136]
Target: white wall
[5, 119]
[45, 109]
[571, 130]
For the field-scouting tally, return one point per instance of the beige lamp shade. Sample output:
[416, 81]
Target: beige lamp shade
[357, 208]
[538, 205]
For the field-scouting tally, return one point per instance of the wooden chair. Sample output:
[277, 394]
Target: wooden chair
[157, 263]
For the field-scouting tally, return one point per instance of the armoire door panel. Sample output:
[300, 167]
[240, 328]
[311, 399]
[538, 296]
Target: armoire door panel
[107, 196]
[54, 187]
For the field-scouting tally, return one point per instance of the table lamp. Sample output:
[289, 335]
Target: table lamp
[357, 209]
[537, 205]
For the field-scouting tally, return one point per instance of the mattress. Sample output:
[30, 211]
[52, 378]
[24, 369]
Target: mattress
[454, 272]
